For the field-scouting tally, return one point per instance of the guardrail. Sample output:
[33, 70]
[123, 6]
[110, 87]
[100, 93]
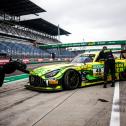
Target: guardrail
[39, 60]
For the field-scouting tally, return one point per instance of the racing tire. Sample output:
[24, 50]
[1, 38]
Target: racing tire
[71, 80]
[9, 67]
[122, 75]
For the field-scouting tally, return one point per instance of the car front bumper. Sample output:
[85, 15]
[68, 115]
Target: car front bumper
[34, 88]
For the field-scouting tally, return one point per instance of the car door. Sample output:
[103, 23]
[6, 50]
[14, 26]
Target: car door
[98, 69]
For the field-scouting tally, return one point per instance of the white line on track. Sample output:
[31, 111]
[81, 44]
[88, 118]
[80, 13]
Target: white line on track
[115, 114]
[15, 76]
[15, 81]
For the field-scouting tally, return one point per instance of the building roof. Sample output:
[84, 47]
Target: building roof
[19, 7]
[44, 26]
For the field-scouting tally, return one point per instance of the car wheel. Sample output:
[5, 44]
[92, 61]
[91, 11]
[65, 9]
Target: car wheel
[71, 80]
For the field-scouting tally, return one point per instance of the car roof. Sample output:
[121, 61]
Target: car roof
[89, 53]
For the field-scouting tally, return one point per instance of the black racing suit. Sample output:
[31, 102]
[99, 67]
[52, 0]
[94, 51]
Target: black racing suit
[109, 64]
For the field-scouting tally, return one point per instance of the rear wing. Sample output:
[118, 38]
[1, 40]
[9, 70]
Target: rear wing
[121, 53]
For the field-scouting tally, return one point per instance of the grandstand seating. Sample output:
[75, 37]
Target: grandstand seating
[14, 31]
[18, 50]
[22, 50]
[25, 33]
[62, 53]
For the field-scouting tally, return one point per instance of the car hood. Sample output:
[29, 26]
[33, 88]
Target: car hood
[45, 69]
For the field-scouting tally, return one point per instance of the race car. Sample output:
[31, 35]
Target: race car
[82, 71]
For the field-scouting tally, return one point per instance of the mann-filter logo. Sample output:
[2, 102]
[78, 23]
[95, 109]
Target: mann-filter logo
[98, 66]
[91, 43]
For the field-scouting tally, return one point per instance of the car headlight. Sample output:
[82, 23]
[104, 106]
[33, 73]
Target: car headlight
[52, 73]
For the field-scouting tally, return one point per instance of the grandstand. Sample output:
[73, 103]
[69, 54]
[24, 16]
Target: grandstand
[19, 38]
[62, 53]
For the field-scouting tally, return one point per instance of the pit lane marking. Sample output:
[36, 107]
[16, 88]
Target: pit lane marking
[55, 107]
[14, 78]
[115, 114]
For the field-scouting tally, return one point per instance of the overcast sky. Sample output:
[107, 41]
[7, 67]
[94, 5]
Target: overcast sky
[88, 20]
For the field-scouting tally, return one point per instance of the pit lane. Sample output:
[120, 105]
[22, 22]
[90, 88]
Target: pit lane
[80, 107]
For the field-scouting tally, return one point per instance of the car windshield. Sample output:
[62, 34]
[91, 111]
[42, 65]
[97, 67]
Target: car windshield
[83, 59]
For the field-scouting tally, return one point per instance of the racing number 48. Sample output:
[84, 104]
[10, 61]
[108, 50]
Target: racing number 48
[98, 70]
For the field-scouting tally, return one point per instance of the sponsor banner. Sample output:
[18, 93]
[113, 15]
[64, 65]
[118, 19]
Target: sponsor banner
[40, 60]
[96, 43]
[26, 61]
[2, 62]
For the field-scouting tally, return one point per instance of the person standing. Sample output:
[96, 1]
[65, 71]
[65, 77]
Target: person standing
[109, 65]
[53, 56]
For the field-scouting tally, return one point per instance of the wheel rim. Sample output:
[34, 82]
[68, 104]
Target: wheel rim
[73, 79]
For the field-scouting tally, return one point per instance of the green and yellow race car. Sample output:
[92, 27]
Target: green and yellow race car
[82, 71]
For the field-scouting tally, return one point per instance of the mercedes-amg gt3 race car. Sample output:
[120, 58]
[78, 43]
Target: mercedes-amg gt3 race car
[83, 70]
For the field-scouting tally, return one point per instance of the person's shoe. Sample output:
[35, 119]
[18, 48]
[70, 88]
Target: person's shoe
[104, 86]
[113, 84]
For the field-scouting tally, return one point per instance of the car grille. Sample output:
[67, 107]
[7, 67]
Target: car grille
[37, 81]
